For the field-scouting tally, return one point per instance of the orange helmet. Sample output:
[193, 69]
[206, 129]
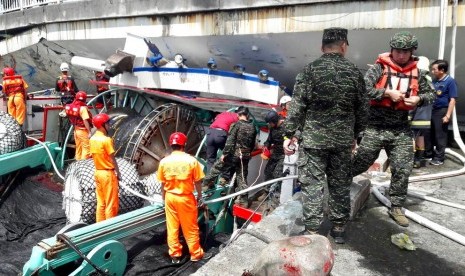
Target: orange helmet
[81, 95]
[8, 71]
[178, 138]
[100, 119]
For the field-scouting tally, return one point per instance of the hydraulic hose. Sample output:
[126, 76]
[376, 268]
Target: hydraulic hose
[49, 155]
[423, 221]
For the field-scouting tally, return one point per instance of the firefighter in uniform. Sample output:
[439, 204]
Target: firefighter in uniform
[394, 85]
[15, 89]
[180, 173]
[106, 169]
[66, 85]
[81, 119]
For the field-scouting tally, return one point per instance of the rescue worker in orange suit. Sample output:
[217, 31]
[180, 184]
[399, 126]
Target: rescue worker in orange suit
[81, 119]
[106, 169]
[179, 173]
[101, 77]
[66, 85]
[15, 89]
[284, 102]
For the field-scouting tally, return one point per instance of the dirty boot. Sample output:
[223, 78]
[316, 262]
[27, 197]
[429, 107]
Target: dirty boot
[338, 234]
[418, 160]
[223, 182]
[398, 216]
[242, 201]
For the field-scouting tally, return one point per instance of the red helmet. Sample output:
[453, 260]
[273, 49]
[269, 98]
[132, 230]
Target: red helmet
[81, 95]
[100, 119]
[178, 138]
[8, 71]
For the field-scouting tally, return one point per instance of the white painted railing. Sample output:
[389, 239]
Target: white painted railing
[16, 5]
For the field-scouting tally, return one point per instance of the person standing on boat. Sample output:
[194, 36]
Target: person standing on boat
[273, 151]
[179, 174]
[443, 106]
[395, 86]
[236, 154]
[15, 88]
[107, 172]
[284, 103]
[80, 117]
[66, 85]
[216, 139]
[330, 108]
[102, 78]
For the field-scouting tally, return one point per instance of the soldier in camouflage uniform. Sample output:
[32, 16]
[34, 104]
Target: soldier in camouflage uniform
[274, 142]
[236, 153]
[330, 107]
[273, 152]
[405, 87]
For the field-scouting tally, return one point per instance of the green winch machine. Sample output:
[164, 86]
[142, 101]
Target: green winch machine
[99, 246]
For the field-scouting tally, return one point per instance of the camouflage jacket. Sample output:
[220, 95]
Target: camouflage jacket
[330, 103]
[275, 140]
[390, 118]
[241, 138]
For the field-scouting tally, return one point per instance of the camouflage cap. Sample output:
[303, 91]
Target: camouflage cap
[404, 40]
[334, 34]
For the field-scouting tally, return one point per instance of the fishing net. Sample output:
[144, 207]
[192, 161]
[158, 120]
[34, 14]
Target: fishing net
[12, 137]
[79, 198]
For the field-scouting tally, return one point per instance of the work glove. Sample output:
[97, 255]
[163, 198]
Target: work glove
[266, 153]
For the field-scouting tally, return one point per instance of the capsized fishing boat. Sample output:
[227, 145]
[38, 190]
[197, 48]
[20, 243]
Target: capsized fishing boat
[149, 97]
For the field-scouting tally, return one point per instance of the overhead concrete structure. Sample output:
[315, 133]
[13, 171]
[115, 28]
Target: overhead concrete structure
[279, 36]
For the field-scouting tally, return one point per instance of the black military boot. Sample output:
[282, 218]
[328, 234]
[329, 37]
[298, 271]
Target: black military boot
[338, 233]
[417, 159]
[420, 156]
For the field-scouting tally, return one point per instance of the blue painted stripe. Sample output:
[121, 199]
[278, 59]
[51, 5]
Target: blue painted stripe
[206, 71]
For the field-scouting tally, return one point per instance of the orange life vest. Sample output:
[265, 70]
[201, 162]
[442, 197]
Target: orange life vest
[65, 84]
[396, 77]
[101, 77]
[14, 84]
[72, 110]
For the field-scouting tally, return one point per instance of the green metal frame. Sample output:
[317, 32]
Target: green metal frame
[29, 157]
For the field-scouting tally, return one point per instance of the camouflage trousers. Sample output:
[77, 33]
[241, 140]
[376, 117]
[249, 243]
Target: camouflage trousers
[274, 167]
[316, 168]
[399, 149]
[240, 167]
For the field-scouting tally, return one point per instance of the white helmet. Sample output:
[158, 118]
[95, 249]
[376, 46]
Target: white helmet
[285, 99]
[423, 63]
[64, 67]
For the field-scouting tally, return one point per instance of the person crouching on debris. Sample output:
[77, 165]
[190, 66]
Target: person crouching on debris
[179, 173]
[81, 119]
[106, 169]
[236, 154]
[15, 89]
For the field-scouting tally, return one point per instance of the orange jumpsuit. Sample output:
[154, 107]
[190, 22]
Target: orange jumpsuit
[106, 189]
[178, 172]
[15, 88]
[81, 134]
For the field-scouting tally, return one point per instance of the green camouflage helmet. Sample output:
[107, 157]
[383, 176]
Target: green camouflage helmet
[404, 40]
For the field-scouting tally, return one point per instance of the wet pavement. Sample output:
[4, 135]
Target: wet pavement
[368, 249]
